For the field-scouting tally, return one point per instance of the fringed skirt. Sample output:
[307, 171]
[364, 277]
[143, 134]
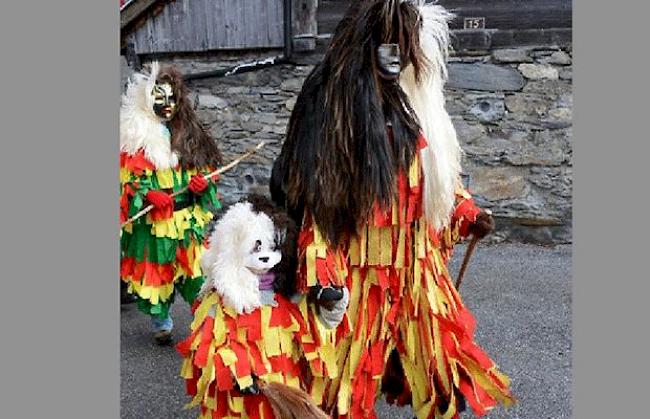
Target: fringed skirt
[402, 300]
[225, 350]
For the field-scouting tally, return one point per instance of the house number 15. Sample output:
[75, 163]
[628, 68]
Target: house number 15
[474, 23]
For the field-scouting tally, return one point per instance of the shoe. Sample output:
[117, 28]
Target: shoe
[163, 337]
[125, 297]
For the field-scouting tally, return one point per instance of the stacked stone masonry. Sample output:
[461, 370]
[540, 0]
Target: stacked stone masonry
[512, 110]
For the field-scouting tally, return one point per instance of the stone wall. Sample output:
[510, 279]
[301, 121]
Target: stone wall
[513, 113]
[512, 110]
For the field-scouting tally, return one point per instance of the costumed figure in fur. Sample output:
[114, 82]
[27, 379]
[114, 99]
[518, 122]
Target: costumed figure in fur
[370, 170]
[163, 149]
[244, 357]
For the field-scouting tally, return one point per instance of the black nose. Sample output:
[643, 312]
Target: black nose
[264, 259]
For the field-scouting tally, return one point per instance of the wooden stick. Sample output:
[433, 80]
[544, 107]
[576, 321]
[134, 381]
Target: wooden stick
[216, 172]
[468, 255]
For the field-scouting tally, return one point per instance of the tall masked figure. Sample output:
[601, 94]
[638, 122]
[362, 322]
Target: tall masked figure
[163, 148]
[370, 170]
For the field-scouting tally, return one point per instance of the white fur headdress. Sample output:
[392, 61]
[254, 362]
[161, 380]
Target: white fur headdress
[140, 127]
[441, 158]
[224, 264]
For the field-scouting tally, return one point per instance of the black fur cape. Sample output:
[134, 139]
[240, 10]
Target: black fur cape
[340, 157]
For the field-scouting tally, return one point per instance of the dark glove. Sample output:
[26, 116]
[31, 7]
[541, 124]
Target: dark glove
[332, 317]
[326, 297]
[198, 184]
[251, 390]
[483, 225]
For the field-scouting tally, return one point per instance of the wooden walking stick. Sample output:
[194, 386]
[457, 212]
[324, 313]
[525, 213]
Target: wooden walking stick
[468, 255]
[472, 246]
[216, 172]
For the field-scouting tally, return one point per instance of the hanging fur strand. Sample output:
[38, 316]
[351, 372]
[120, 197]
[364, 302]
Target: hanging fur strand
[291, 403]
[340, 158]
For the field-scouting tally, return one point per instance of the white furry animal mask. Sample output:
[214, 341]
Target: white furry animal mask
[140, 127]
[441, 158]
[242, 247]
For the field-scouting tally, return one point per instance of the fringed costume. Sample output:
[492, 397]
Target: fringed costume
[226, 349]
[163, 150]
[246, 336]
[371, 168]
[402, 297]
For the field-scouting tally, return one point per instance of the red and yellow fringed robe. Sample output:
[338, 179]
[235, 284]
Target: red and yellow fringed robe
[401, 297]
[226, 348]
[160, 256]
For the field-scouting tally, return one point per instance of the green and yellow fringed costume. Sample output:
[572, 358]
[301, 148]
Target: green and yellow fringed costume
[401, 298]
[160, 255]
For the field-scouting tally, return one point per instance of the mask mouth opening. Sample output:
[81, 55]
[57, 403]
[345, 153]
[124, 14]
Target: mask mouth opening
[389, 60]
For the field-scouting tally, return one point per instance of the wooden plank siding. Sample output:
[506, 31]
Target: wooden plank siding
[507, 22]
[512, 14]
[202, 25]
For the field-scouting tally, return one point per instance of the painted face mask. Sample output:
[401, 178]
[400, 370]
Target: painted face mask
[164, 102]
[389, 60]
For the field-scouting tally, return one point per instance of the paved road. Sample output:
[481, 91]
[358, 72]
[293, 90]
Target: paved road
[521, 296]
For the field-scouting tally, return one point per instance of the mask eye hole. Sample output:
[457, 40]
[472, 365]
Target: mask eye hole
[258, 246]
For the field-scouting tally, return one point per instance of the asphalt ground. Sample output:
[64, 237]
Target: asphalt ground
[520, 295]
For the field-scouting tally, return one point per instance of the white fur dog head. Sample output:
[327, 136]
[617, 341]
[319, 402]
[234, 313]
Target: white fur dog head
[242, 247]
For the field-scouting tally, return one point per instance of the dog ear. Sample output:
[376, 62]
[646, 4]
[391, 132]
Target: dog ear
[285, 271]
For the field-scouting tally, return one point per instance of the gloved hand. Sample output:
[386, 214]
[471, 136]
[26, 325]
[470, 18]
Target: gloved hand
[253, 389]
[160, 199]
[162, 202]
[325, 297]
[332, 317]
[483, 225]
[198, 184]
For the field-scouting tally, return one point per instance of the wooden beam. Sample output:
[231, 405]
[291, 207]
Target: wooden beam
[498, 14]
[483, 40]
[512, 14]
[133, 11]
[466, 41]
[305, 26]
[329, 13]
[304, 17]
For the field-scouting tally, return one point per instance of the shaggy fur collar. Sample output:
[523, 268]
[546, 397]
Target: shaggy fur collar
[140, 128]
[441, 158]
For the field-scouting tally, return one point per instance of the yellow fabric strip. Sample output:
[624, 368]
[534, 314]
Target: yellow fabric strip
[165, 178]
[154, 294]
[208, 302]
[311, 266]
[354, 252]
[363, 246]
[374, 245]
[227, 356]
[386, 246]
[272, 342]
[440, 362]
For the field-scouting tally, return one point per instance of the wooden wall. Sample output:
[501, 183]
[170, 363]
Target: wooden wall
[507, 22]
[512, 14]
[201, 25]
